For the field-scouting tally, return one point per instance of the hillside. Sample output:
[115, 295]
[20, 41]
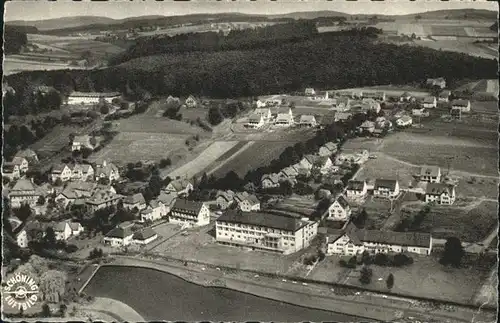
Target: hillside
[455, 14]
[65, 22]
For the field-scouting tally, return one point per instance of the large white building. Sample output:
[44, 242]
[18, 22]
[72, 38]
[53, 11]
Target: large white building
[353, 241]
[24, 192]
[189, 213]
[89, 98]
[268, 232]
[440, 193]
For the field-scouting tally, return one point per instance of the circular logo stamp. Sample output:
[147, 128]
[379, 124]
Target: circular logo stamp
[20, 291]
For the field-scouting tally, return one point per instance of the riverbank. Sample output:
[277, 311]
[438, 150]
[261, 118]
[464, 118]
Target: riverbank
[367, 305]
[106, 310]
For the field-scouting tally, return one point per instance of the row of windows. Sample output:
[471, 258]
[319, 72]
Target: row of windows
[250, 227]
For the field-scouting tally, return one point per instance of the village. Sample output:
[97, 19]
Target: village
[318, 206]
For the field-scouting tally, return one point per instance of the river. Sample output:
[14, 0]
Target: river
[157, 295]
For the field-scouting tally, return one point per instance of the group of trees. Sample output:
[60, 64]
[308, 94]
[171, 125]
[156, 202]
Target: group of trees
[29, 100]
[412, 223]
[15, 37]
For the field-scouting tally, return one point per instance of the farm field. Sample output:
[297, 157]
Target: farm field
[16, 65]
[240, 147]
[152, 124]
[360, 143]
[460, 45]
[466, 223]
[204, 159]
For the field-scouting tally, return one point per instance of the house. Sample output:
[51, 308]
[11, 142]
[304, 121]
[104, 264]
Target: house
[247, 202]
[440, 82]
[180, 187]
[106, 170]
[119, 236]
[429, 102]
[284, 120]
[323, 164]
[260, 104]
[191, 102]
[369, 104]
[102, 199]
[90, 98]
[224, 199]
[264, 112]
[463, 105]
[167, 199]
[29, 155]
[62, 230]
[61, 172]
[456, 113]
[356, 189]
[440, 193]
[80, 190]
[431, 174]
[309, 91]
[404, 121]
[328, 149]
[83, 141]
[380, 96]
[353, 241]
[22, 163]
[10, 171]
[284, 110]
[144, 236]
[386, 188]
[255, 121]
[189, 213]
[405, 97]
[341, 104]
[154, 211]
[419, 112]
[24, 192]
[266, 232]
[270, 181]
[307, 121]
[22, 239]
[367, 126]
[308, 161]
[288, 173]
[343, 116]
[339, 210]
[76, 228]
[135, 201]
[444, 96]
[81, 172]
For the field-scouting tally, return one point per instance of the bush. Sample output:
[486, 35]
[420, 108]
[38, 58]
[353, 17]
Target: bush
[401, 259]
[381, 259]
[165, 162]
[366, 276]
[71, 248]
[343, 263]
[104, 109]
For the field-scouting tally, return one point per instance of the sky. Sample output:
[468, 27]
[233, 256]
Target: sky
[118, 9]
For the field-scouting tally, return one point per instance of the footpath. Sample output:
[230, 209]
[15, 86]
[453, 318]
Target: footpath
[363, 305]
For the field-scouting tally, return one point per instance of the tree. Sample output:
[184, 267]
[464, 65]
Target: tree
[104, 109]
[453, 252]
[50, 237]
[366, 275]
[46, 310]
[381, 259]
[215, 116]
[23, 213]
[41, 200]
[390, 281]
[286, 188]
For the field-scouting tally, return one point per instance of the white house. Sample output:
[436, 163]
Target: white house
[429, 102]
[24, 192]
[107, 170]
[224, 199]
[190, 213]
[353, 241]
[11, 171]
[440, 82]
[120, 236]
[264, 112]
[444, 96]
[386, 188]
[328, 149]
[84, 141]
[431, 174]
[463, 105]
[22, 163]
[81, 172]
[404, 121]
[191, 102]
[309, 91]
[255, 121]
[62, 172]
[90, 98]
[180, 187]
[265, 232]
[307, 121]
[356, 189]
[284, 120]
[270, 181]
[155, 211]
[22, 239]
[135, 201]
[440, 193]
[247, 202]
[308, 161]
[420, 112]
[62, 231]
[323, 164]
[339, 210]
[144, 236]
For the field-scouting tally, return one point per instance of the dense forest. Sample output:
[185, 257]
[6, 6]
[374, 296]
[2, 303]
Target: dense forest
[15, 37]
[328, 60]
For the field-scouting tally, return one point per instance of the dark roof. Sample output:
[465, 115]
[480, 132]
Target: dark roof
[185, 206]
[264, 220]
[342, 201]
[385, 183]
[460, 103]
[144, 234]
[438, 188]
[119, 232]
[356, 185]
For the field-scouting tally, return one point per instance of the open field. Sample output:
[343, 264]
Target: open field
[426, 278]
[203, 160]
[151, 124]
[387, 168]
[378, 212]
[362, 143]
[470, 225]
[460, 45]
[15, 65]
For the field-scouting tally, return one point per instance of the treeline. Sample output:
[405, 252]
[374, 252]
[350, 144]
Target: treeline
[326, 61]
[30, 101]
[15, 37]
[262, 37]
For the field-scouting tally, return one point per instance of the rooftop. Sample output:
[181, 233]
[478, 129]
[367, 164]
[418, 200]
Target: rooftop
[263, 220]
[385, 183]
[144, 234]
[182, 205]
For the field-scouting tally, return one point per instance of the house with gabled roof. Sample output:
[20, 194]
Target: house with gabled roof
[155, 211]
[144, 236]
[339, 210]
[191, 102]
[356, 189]
[462, 105]
[83, 141]
[224, 199]
[189, 213]
[444, 96]
[62, 172]
[103, 199]
[328, 149]
[255, 121]
[284, 120]
[440, 193]
[135, 201]
[386, 188]
[11, 171]
[354, 241]
[429, 102]
[309, 91]
[247, 202]
[308, 161]
[439, 81]
[119, 236]
[288, 173]
[343, 116]
[264, 112]
[180, 187]
[323, 164]
[270, 181]
[307, 121]
[404, 121]
[81, 172]
[431, 174]
[107, 170]
[22, 163]
[24, 192]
